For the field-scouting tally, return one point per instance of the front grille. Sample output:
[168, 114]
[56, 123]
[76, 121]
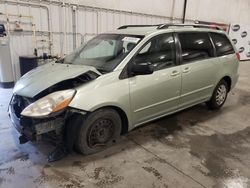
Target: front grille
[18, 103]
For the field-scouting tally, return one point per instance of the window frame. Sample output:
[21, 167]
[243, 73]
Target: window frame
[180, 49]
[125, 73]
[229, 41]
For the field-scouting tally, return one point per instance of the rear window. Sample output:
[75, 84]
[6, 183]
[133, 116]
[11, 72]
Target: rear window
[222, 44]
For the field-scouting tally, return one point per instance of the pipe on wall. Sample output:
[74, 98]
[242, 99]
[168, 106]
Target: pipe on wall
[184, 11]
[46, 4]
[65, 23]
[74, 9]
[172, 11]
[90, 10]
[92, 7]
[28, 4]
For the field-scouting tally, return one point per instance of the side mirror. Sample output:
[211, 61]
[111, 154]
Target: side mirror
[141, 69]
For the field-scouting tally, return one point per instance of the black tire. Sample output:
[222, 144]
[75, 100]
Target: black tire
[98, 131]
[217, 102]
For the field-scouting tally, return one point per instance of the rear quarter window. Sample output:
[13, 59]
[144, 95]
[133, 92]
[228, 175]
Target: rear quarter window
[222, 44]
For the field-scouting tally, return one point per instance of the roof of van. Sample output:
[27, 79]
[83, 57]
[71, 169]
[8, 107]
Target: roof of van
[147, 30]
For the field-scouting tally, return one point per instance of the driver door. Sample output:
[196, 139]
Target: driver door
[157, 94]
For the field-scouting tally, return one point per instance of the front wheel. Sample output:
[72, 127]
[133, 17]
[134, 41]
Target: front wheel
[99, 130]
[219, 96]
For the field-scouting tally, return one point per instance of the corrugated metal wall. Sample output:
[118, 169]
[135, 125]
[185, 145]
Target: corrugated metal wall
[50, 26]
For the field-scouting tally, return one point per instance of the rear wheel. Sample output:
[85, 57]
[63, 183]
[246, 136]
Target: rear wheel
[219, 96]
[99, 130]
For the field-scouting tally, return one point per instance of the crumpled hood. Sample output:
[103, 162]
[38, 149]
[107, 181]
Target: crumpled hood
[46, 76]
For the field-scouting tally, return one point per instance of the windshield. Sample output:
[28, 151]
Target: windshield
[104, 52]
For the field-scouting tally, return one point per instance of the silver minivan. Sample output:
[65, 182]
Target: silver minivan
[120, 80]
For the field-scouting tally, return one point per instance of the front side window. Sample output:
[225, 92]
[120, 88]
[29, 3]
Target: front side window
[158, 52]
[195, 46]
[104, 52]
[222, 44]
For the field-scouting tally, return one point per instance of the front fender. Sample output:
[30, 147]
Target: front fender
[106, 90]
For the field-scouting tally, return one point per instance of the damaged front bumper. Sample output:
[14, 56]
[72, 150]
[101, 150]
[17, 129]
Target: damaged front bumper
[59, 128]
[34, 129]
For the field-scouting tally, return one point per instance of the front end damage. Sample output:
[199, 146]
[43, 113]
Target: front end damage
[35, 129]
[52, 127]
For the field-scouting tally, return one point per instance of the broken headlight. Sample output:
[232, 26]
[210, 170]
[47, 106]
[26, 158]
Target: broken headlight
[51, 103]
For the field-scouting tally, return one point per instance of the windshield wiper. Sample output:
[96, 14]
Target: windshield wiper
[59, 61]
[102, 71]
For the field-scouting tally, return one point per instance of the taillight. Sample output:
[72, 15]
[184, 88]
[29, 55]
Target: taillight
[238, 55]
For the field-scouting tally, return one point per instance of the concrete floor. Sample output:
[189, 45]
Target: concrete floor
[193, 148]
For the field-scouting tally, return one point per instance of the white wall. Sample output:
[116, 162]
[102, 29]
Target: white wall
[225, 11]
[156, 7]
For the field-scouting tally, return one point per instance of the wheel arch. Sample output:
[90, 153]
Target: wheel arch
[228, 79]
[122, 114]
[120, 111]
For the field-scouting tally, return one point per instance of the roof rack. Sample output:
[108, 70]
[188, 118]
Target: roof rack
[165, 26]
[126, 26]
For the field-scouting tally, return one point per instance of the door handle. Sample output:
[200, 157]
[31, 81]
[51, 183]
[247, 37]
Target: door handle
[175, 73]
[186, 70]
